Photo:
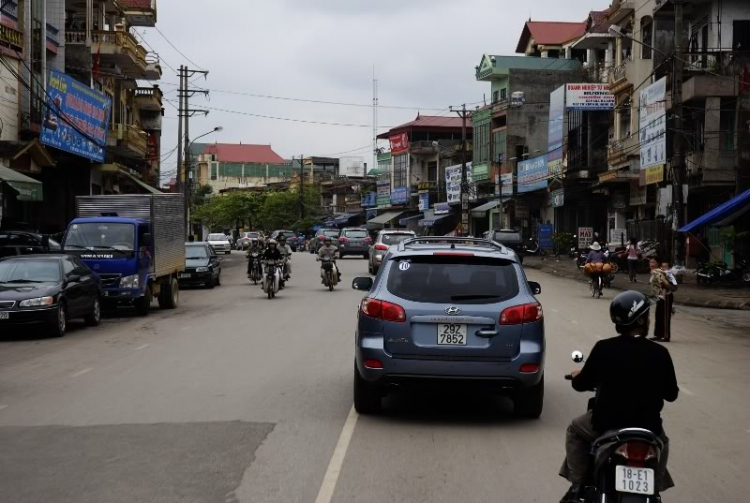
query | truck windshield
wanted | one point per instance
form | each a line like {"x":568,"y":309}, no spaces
{"x":112,"y":236}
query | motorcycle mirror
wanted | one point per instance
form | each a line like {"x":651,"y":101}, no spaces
{"x":577,"y":356}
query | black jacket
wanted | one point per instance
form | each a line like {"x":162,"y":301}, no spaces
{"x":272,"y":254}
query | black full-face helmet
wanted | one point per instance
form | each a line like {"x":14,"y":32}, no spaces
{"x":628,"y":307}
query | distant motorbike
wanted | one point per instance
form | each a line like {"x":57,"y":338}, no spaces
{"x":624,"y":463}
{"x":573,"y":248}
{"x":714,"y":272}
{"x":533,"y":248}
{"x":272,"y":279}
{"x":256,"y":269}
{"x":330,"y":278}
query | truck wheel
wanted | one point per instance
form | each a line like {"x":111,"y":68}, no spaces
{"x":143,"y":305}
{"x":170,"y":295}
{"x":529,"y":402}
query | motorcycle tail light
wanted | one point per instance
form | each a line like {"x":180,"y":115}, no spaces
{"x":636,"y":453}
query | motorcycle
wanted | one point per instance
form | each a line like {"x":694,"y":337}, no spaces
{"x":533,"y":248}
{"x":330,"y":279}
{"x":573,"y":248}
{"x":256,"y":269}
{"x":624,"y":463}
{"x":713,"y":272}
{"x":272,"y":280}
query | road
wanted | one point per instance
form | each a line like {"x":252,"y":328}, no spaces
{"x":237,"y":398}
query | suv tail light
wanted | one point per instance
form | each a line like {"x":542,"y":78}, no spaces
{"x":382,"y":310}
{"x":381,"y":247}
{"x":321,"y":238}
{"x":525,"y":313}
{"x":342,"y":239}
{"x":636,"y":453}
{"x":368,"y":240}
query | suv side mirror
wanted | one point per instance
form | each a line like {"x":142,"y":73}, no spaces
{"x":146,"y":239}
{"x":535,"y":287}
{"x":362,"y":283}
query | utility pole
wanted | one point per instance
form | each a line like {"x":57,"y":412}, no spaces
{"x":678,"y":157}
{"x":301,"y":187}
{"x":464,"y":186}
{"x":180,"y":114}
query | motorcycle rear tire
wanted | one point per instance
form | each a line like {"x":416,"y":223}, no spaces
{"x":329,"y":280}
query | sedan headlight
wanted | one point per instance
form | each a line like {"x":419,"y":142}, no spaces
{"x":130,"y":281}
{"x":203,"y":269}
{"x":39,"y":301}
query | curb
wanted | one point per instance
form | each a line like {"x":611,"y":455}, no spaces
{"x":740,"y":305}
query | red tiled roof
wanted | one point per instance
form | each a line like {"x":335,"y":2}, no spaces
{"x":549,"y":33}
{"x":431,"y":122}
{"x":598,"y":22}
{"x":231,"y":152}
{"x":136,"y":4}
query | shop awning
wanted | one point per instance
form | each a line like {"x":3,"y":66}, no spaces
{"x":385,"y":217}
{"x":406,"y":220}
{"x":148,"y":188}
{"x":431,"y":219}
{"x":28,"y":189}
{"x":343,"y":218}
{"x":480,"y":211}
{"x":724,"y":214}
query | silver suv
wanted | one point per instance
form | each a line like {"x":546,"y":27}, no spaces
{"x":386,"y":238}
{"x":450,"y":311}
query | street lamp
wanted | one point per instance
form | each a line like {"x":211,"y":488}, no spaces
{"x":189,"y":177}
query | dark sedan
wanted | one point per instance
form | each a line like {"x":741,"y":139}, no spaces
{"x":202,"y":266}
{"x":48,"y":289}
{"x":509,"y":238}
{"x":14,"y":243}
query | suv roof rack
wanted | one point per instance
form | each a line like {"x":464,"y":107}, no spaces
{"x":453,"y":241}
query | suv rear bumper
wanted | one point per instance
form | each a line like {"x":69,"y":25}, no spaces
{"x":501,"y":374}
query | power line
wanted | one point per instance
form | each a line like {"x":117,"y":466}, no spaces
{"x":176,"y":49}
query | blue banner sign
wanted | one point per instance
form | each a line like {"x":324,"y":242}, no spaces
{"x":368,"y":200}
{"x":71,"y":102}
{"x":545,"y":236}
{"x":442,"y":208}
{"x":400,"y":195}
{"x":532,"y":174}
{"x":424,"y":202}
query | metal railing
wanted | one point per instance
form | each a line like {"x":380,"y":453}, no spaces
{"x":130,"y":133}
{"x":138,"y":4}
{"x":10,"y":8}
{"x":11,"y":36}
{"x":120,"y":39}
{"x":148,"y":92}
{"x":618,"y":72}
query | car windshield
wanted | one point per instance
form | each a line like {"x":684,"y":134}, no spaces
{"x":114,"y":236}
{"x":457,"y":279}
{"x":29,"y":271}
{"x":356,"y":234}
{"x":252,"y":235}
{"x":392,"y":239}
{"x":507,"y":237}
{"x":332,"y":233}
{"x":217,"y":237}
{"x":195,"y":252}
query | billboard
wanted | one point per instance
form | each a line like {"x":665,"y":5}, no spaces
{"x":453,"y":183}
{"x":555,"y":131}
{"x":383,"y":190}
{"x":589,"y":97}
{"x":71,"y":102}
{"x":399,"y":143}
{"x":506,"y":184}
{"x":424,"y":202}
{"x":400,"y":195}
{"x":653,"y":124}
{"x":532,"y":174}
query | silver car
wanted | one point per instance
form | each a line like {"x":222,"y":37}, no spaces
{"x":385,"y":239}
{"x":220,"y":243}
{"x":448,"y":312}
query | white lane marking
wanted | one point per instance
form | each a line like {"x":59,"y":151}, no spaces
{"x":574,"y":322}
{"x":81,"y":372}
{"x":185,"y":328}
{"x":325,"y":495}
{"x":4,"y":406}
{"x":143,"y":346}
{"x":555,"y":310}
{"x":686,"y":391}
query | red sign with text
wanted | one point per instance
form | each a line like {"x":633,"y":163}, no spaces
{"x":399,"y":143}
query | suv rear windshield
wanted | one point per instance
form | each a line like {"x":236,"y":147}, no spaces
{"x":456,"y":280}
{"x":356,"y":234}
{"x":507,"y":237}
{"x":392,"y":238}
{"x":331,"y":233}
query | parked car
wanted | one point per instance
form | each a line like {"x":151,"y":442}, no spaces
{"x":220,"y":243}
{"x":247,"y":238}
{"x":202,"y":266}
{"x":446,"y":312}
{"x":354,"y":241}
{"x":320,"y":236}
{"x":48,"y":289}
{"x":291,"y":238}
{"x":509,"y":238}
{"x":14,"y":243}
{"x":384,"y":240}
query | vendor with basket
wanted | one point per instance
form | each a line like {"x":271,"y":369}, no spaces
{"x":595,"y":265}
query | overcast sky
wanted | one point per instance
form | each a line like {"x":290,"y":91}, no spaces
{"x":424,"y":53}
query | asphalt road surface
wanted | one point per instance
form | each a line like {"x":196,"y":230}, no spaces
{"x":237,"y":398}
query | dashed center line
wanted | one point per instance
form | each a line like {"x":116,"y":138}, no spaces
{"x":5,"y":406}
{"x":143,"y":346}
{"x":574,"y":322}
{"x":81,"y":372}
{"x":188,"y":327}
{"x":686,"y":391}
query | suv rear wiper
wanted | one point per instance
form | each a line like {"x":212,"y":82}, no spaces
{"x":472,"y":297}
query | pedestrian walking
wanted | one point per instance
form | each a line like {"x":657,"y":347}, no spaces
{"x":633,"y":260}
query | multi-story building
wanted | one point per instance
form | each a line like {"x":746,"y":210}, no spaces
{"x":241,"y":166}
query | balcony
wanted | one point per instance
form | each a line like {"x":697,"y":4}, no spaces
{"x":119,"y":49}
{"x":128,"y":140}
{"x":625,"y":10}
{"x":51,"y":38}
{"x":11,"y":38}
{"x":148,"y":98}
{"x":9,"y":13}
{"x":434,"y":146}
{"x":139,"y":12}
{"x":618,"y":151}
{"x":699,"y":87}
{"x":712,"y":167}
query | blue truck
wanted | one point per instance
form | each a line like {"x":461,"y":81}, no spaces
{"x":135,"y":243}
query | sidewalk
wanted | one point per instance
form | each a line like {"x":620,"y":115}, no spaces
{"x":688,"y":294}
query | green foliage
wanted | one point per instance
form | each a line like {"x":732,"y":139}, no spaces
{"x":562,"y":241}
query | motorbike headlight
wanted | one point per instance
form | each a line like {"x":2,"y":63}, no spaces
{"x":39,"y":301}
{"x":130,"y":281}
{"x":202,"y":269}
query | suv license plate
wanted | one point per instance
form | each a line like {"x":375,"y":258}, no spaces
{"x":185,"y":275}
{"x":451,"y":334}
{"x":634,"y":480}
{"x":4,"y":316}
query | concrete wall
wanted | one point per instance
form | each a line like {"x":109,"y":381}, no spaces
{"x":10,"y":101}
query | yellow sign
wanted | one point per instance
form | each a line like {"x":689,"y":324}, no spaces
{"x":654,"y":174}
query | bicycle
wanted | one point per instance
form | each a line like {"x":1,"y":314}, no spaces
{"x":596,"y":286}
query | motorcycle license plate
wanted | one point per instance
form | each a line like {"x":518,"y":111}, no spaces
{"x":451,"y":334}
{"x":634,"y":480}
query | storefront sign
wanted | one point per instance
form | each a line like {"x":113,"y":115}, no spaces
{"x":589,"y":97}
{"x":637,"y":193}
{"x":545,"y":236}
{"x":619,"y":202}
{"x":453,"y":183}
{"x":424,"y":202}
{"x":558,"y":198}
{"x":618,"y":236}
{"x":399,"y":143}
{"x":442,"y":209}
{"x":555,"y":131}
{"x":369,"y":199}
{"x":400,"y":195}
{"x":383,"y":193}
{"x":71,"y":102}
{"x":653,"y":124}
{"x":506,"y":184}
{"x":585,"y":237}
{"x":654,"y":174}
{"x":532,"y":174}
